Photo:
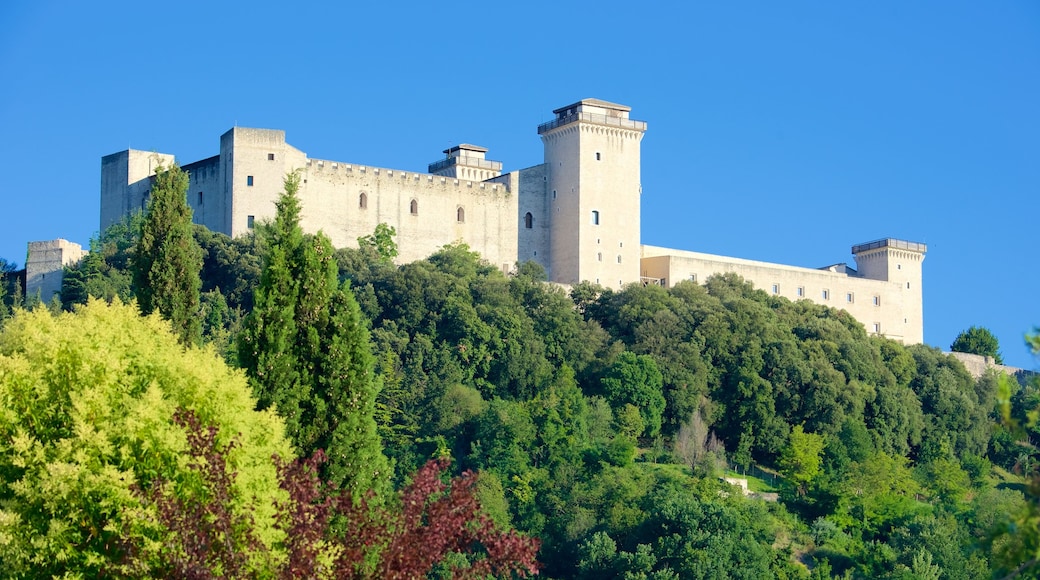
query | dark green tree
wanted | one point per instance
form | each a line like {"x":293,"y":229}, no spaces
{"x":307,"y":351}
{"x":978,"y":340}
{"x":167,"y":261}
{"x":635,"y":379}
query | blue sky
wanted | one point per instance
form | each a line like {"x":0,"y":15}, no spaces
{"x":784,"y":132}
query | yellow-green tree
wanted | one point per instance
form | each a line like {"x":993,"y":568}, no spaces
{"x":87,"y":401}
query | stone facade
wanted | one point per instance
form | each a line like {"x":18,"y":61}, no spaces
{"x":45,"y":265}
{"x":577,"y":214}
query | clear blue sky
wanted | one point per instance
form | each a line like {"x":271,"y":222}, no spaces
{"x":778,"y":131}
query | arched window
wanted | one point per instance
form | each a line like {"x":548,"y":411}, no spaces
{"x":528,"y":221}
{"x":415,"y":207}
{"x":363,"y":201}
{"x":460,"y":215}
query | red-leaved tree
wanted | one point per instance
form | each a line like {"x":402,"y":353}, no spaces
{"x":327,"y":533}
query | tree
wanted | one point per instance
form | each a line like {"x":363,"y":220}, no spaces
{"x":167,"y":261}
{"x":307,"y":352}
{"x":978,"y":340}
{"x":88,"y":405}
{"x":635,"y":379}
{"x":801,"y":460}
{"x":382,"y":241}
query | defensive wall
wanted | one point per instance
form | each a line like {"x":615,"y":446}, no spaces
{"x":577,"y":214}
{"x":885,"y":307}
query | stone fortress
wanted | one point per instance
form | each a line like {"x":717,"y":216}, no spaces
{"x":577,"y":214}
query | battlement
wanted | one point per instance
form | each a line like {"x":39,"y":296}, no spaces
{"x":350,"y":169}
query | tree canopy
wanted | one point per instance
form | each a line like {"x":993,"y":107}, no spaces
{"x":978,"y":340}
{"x":88,"y":400}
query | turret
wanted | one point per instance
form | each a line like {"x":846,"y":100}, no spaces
{"x":466,"y":162}
{"x":899,"y":263}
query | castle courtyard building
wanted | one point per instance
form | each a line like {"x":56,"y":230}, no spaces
{"x":577,"y":214}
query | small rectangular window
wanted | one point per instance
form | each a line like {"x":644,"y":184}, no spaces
{"x":595,"y":217}
{"x":849,"y":297}
{"x":249,"y":221}
{"x":200,"y":198}
{"x":249,"y":180}
{"x":877,"y":328}
{"x":877,"y":301}
{"x":801,"y":291}
{"x":826,"y":294}
{"x":597,"y":156}
{"x":270,"y":156}
{"x":776,"y":288}
{"x":693,"y":278}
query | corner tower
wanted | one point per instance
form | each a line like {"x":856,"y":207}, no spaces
{"x":897,"y":262}
{"x":592,"y":193}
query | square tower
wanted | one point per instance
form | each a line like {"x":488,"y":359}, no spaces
{"x":897,"y":262}
{"x":593,"y":189}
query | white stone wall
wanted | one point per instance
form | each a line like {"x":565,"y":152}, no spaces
{"x":331,"y":203}
{"x":44,"y":267}
{"x":533,"y":242}
{"x":126,"y":182}
{"x":593,"y":175}
{"x":205,"y":195}
{"x":886,"y":304}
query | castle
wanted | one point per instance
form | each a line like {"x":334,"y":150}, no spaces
{"x":577,"y":214}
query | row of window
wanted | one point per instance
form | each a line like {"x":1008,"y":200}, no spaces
{"x":850,"y":297}
{"x":599,"y":257}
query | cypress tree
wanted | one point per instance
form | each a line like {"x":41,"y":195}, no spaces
{"x":307,"y":350}
{"x":168,"y":260}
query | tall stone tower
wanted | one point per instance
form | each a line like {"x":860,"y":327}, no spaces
{"x":899,"y":263}
{"x":592,"y":193}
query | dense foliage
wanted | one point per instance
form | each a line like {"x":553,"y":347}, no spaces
{"x":306,"y":350}
{"x":601,"y":421}
{"x":86,"y":417}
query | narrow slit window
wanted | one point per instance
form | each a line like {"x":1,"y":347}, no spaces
{"x":595,"y":217}
{"x":460,"y":215}
{"x":200,"y":198}
{"x":249,"y":180}
{"x":414,"y":207}
{"x":528,"y":221}
{"x":363,"y":201}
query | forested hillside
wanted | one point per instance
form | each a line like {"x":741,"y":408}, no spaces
{"x":602,"y":422}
